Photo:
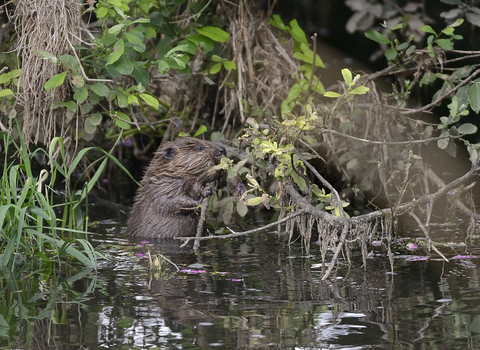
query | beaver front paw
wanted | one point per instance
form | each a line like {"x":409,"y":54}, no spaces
{"x":207,"y":192}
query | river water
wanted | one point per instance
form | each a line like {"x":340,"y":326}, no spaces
{"x":254,"y":292}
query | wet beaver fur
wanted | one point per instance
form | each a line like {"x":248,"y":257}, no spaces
{"x":172,"y":187}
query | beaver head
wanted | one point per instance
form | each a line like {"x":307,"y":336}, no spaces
{"x":188,"y":159}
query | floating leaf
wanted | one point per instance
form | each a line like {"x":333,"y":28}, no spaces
{"x":214,"y":33}
{"x":55,"y":81}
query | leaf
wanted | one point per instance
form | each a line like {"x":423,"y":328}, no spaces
{"x":214,"y":33}
{"x":150,"y":100}
{"x":297,"y":32}
{"x":100,"y":89}
{"x":133,"y":100}
{"x":377,"y":37}
{"x":55,"y":81}
{"x":163,"y":66}
{"x":48,"y":56}
{"x":95,"y":118}
{"x":122,"y":101}
{"x":242,"y":209}
{"x":6,"y":92}
{"x":121,"y":123}
{"x":277,"y":22}
{"x":215,"y":68}
{"x":253,"y":201}
{"x":116,"y":29}
{"x":347,"y":76}
{"x":117,"y":52}
{"x":182,"y":48}
{"x":474,"y":96}
{"x":227,"y":211}
{"x":81,"y":94}
{"x":332,"y":94}
{"x":71,"y":105}
{"x":391,"y":54}
{"x":89,"y":127}
{"x":473,"y":18}
{"x":141,"y":76}
{"x":202,"y":129}
{"x":360,"y":90}
{"x":443,"y":143}
{"x":445,"y":44}
{"x":136,"y":38}
{"x":102,"y":12}
{"x":229,"y":65}
{"x":216,"y":58}
{"x":428,"y":29}
{"x":467,"y":128}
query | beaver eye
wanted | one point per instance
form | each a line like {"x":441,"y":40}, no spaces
{"x":199,"y":148}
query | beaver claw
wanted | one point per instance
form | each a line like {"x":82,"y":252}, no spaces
{"x":207,"y":192}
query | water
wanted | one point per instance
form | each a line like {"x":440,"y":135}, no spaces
{"x":249,"y":293}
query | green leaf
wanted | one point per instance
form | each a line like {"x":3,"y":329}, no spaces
{"x":253,"y":201}
{"x":457,"y":23}
{"x":377,"y":37}
{"x":6,"y":92}
{"x":122,"y":101}
{"x":116,"y":29}
{"x":183,"y":48}
{"x":332,"y":94}
{"x":117,"y":52}
{"x":297,"y":32}
{"x":89,"y":127}
{"x":55,"y":81}
{"x":360,"y":90}
{"x":133,"y":100}
{"x":445,"y":44}
{"x":216,"y":58}
{"x":347,"y":76}
{"x":100,"y":89}
{"x":71,"y":105}
{"x":163,"y":66}
{"x":48,"y":56}
{"x":141,"y":76}
{"x":81,"y":94}
{"x":124,"y":65}
{"x":229,"y":65}
{"x":242,"y":209}
{"x":474,"y":96}
{"x":467,"y":128}
{"x":202,"y":129}
{"x":95,"y":118}
{"x":277,"y":22}
{"x":150,"y":100}
{"x":214,"y":33}
{"x":443,"y":143}
{"x":391,"y":54}
{"x":136,"y":38}
{"x":120,"y":123}
{"x":428,"y":29}
{"x":102,"y":12}
{"x":215,"y":68}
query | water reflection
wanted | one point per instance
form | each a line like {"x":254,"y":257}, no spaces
{"x":253,"y":292}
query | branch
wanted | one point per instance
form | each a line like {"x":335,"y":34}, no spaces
{"x":239,"y":234}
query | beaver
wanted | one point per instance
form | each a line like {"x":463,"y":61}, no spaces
{"x":173,"y":186}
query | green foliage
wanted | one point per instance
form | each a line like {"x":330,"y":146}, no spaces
{"x":29,"y":226}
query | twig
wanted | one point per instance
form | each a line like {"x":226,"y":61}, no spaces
{"x":201,"y":223}
{"x":438,"y":100}
{"x":427,"y":236}
{"x":324,"y":182}
{"x":81,"y":67}
{"x":239,"y":234}
{"x":412,"y":142}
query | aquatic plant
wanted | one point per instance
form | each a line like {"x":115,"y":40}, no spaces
{"x":38,"y":220}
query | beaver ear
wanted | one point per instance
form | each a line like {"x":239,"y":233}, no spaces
{"x":169,"y":152}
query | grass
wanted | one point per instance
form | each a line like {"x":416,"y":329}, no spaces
{"x":29,"y":225}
